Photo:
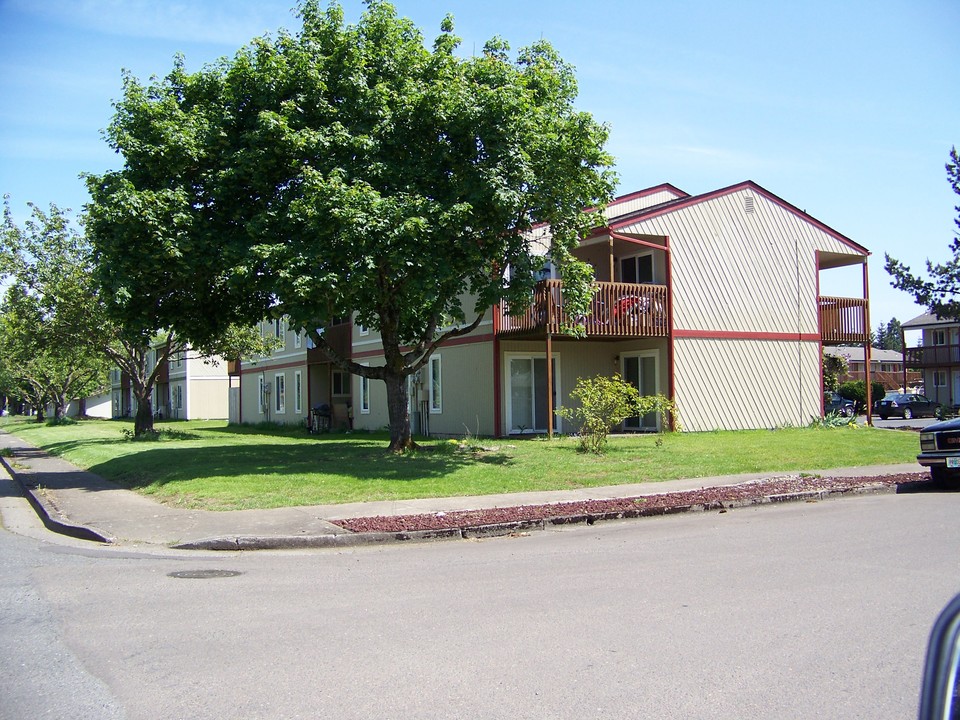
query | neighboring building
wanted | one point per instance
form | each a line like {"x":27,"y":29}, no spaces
{"x":712,"y":300}
{"x":886,"y":367}
{"x":189,"y":386}
{"x":295,"y":379}
{"x":937,"y":358}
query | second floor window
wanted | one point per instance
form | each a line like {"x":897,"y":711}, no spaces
{"x":637,"y":269}
{"x":279,"y":393}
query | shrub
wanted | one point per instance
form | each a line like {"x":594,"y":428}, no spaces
{"x":833,"y":419}
{"x":605,"y":402}
{"x":856,"y":390}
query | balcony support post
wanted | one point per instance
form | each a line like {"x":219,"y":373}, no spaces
{"x":549,"y":384}
{"x":866,"y":344}
{"x":903,"y":354}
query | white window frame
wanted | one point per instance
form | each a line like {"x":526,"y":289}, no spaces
{"x":262,"y":400}
{"x":435,"y":382}
{"x":507,"y":391}
{"x":298,"y":392}
{"x":298,"y":340}
{"x":641,"y":355}
{"x":364,"y":394}
{"x":938,"y":337}
{"x":939,"y":378}
{"x":178,"y":396}
{"x":344,"y":383}
{"x":636,"y":258}
{"x":280,"y":392}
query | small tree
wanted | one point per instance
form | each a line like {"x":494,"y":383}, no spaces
{"x":606,"y":402}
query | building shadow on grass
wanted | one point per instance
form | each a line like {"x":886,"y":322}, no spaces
{"x":160,"y":465}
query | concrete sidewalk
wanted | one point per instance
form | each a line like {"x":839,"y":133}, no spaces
{"x":84,"y":505}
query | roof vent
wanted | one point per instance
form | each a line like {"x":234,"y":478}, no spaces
{"x":748,"y":204}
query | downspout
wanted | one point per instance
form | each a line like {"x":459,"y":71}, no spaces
{"x":497,"y":388}
{"x":671,"y":376}
{"x":903,"y":355}
{"x":866,"y":344}
{"x":549,"y":381}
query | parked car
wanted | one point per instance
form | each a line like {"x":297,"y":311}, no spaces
{"x":908,"y":405}
{"x":833,"y":402}
{"x":940,"y":450}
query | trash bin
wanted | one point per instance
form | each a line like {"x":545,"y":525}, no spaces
{"x":321,"y":418}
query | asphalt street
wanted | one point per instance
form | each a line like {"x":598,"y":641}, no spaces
{"x":806,"y":610}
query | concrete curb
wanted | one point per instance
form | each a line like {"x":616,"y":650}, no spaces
{"x":473,"y":532}
{"x":47,"y":511}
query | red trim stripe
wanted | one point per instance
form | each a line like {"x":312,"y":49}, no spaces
{"x":737,"y":335}
{"x":467,"y":340}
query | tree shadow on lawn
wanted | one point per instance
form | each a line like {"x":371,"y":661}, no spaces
{"x":158,"y":465}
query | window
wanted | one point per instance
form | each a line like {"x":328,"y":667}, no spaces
{"x":297,"y":392}
{"x":278,"y":327}
{"x":178,"y":397}
{"x":436,"y":394}
{"x":262,"y":400}
{"x":298,"y":339}
{"x":363,"y":330}
{"x":340,"y":382}
{"x":279,"y":396}
{"x":939,"y":337}
{"x":364,"y":395}
{"x":939,"y":378}
{"x":637,"y":269}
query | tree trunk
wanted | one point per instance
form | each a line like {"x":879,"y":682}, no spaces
{"x":398,"y":411}
{"x":59,"y":407}
{"x":143,"y":422}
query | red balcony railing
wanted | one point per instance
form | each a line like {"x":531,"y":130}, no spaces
{"x":617,"y":310}
{"x":843,"y":320}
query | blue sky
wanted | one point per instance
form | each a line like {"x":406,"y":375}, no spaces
{"x":846,"y":109}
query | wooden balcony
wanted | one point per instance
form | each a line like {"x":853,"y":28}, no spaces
{"x":932,"y":356}
{"x":843,"y":321}
{"x":339,"y":337}
{"x":618,"y":310}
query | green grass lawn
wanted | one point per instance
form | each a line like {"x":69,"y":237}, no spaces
{"x":220,"y":467}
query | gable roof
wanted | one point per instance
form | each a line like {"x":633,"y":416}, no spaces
{"x":685,"y":201}
{"x":928,"y":320}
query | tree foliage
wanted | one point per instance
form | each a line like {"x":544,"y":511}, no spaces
{"x":46,"y":311}
{"x":937,"y":292}
{"x":347,"y":169}
{"x":834,"y":368}
{"x":887,"y":336}
{"x":605,"y":402}
{"x":856,"y":390}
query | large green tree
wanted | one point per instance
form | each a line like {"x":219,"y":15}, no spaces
{"x":44,"y":315}
{"x":57,"y":334}
{"x":349,"y":169}
{"x":938,"y":291}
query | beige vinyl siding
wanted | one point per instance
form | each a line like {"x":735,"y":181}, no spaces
{"x":467,"y":389}
{"x":207,"y":398}
{"x":736,"y":271}
{"x":268,"y":369}
{"x":626,"y":207}
{"x":579,"y":359}
{"x":739,"y":384}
